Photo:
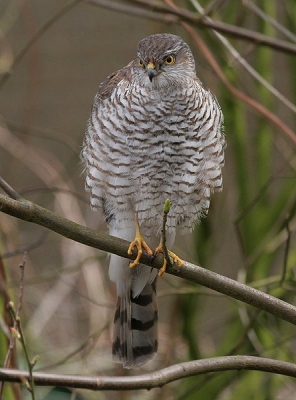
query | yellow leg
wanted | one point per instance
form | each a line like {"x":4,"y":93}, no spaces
{"x":140,"y":244}
{"x":173,"y":256}
{"x":161,"y":248}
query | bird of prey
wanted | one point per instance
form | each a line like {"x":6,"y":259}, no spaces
{"x":154,"y":133}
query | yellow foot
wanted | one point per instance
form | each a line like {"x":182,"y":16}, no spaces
{"x":172,"y":255}
{"x":140,"y":244}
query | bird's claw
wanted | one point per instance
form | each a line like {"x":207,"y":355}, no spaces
{"x":140,"y":244}
{"x":172,"y":256}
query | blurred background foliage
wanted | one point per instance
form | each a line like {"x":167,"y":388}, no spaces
{"x":249,"y":234}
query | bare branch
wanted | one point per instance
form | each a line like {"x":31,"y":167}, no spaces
{"x":31,"y":212}
{"x":9,"y":190}
{"x":18,"y":311}
{"x":257,"y":10}
{"x":287,"y":248}
{"x":19,"y":333}
{"x":21,"y":287}
{"x":137,"y":11}
{"x":230,"y":30}
{"x":155,"y":379}
{"x":27,"y":248}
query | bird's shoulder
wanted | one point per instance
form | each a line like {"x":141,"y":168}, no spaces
{"x":112,"y":81}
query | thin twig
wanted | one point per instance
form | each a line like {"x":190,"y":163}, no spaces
{"x":9,"y":190}
{"x":244,"y":337}
{"x":280,"y":28}
{"x":4,"y":326}
{"x":17,"y":313}
{"x":93,"y":337}
{"x":137,"y":11}
{"x":32,"y":246}
{"x":213,"y":6}
{"x":21,"y":286}
{"x":17,"y":331}
{"x":287,"y":248}
{"x":166,"y":210}
{"x":155,"y":379}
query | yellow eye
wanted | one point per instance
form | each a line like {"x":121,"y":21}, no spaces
{"x":170,"y":60}
{"x":140,"y":63}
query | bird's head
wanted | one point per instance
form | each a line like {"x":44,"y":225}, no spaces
{"x":164,"y":59}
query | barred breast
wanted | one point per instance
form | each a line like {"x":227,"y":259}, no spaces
{"x":147,"y":146}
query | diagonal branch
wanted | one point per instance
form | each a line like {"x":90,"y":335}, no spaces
{"x":237,"y":32}
{"x":274,"y":23}
{"x":154,"y":379}
{"x":31,"y":212}
{"x":137,"y":11}
{"x":9,"y":190}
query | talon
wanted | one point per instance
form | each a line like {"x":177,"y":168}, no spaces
{"x":172,"y":255}
{"x":176,"y":259}
{"x":140,"y":244}
{"x":163,"y":268}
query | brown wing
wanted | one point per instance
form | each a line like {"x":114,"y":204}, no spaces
{"x":106,"y":88}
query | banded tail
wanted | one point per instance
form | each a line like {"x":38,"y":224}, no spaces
{"x":135,"y":327}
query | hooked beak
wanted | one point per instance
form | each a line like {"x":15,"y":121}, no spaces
{"x":151,"y":70}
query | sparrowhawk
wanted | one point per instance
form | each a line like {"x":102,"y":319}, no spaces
{"x":154,"y":133}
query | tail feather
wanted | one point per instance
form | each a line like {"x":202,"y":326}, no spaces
{"x":135,"y":327}
{"x":135,"y":322}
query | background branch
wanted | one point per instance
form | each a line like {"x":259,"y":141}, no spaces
{"x":230,"y":30}
{"x":161,"y":12}
{"x":155,"y":379}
